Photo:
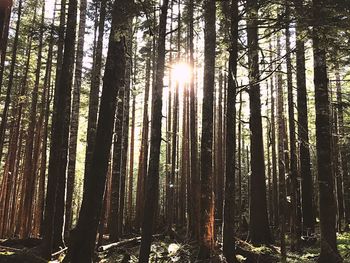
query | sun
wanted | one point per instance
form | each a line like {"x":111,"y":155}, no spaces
{"x":181,"y":72}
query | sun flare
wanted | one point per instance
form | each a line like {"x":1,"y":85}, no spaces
{"x":181,"y":72}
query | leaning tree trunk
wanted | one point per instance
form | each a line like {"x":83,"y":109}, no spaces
{"x":152,"y":185}
{"x":329,"y":251}
{"x":207,"y":196}
{"x":83,"y":238}
{"x":259,"y":232}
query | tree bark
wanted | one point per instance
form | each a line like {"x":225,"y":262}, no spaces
{"x":259,"y":232}
{"x":229,"y":201}
{"x":308,"y":214}
{"x":54,"y":209}
{"x":73,"y":139}
{"x":152,"y":185}
{"x":207,"y":196}
{"x":83,"y":237}
{"x":329,"y":252}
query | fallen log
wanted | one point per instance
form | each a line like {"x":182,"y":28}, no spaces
{"x":126,"y":242}
{"x":59,"y":252}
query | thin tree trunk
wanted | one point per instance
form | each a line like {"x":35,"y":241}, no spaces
{"x":281,"y":160}
{"x":131,"y":169}
{"x":195,"y":190}
{"x":143,"y":157}
{"x":152,"y":185}
{"x":75,"y":117}
{"x":295,"y":200}
{"x":343,"y":151}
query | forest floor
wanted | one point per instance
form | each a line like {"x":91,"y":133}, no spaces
{"x":166,"y":249}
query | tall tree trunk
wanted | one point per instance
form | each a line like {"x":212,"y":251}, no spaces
{"x":281,"y":159}
{"x":54,"y":210}
{"x":116,"y":168}
{"x":94,"y":92}
{"x":143,"y":157}
{"x":343,"y":151}
{"x":207,"y":196}
{"x":219,"y":154}
{"x":259,"y":232}
{"x":229,"y":203}
{"x":295,"y":198}
{"x":308,"y":214}
{"x":329,"y":252}
{"x":75,"y":117}
{"x":83,"y":238}
{"x":195,"y":190}
{"x":273,"y":150}
{"x":125,"y":141}
{"x":152,"y":185}
{"x":130,"y":212}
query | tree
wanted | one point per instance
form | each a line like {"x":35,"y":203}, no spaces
{"x":207,"y":196}
{"x":152,"y":183}
{"x":83,"y":237}
{"x":75,"y":116}
{"x":329,"y":252}
{"x":229,"y":203}
{"x":303,"y":129}
{"x":259,"y":231}
{"x":54,"y":209}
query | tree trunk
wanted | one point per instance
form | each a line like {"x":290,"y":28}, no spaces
{"x":281,"y":160}
{"x":75,"y":117}
{"x":308,"y":214}
{"x":273,"y":150}
{"x":143,"y":157}
{"x":329,"y":252}
{"x":195,"y":199}
{"x":207,"y":196}
{"x":130,"y":212}
{"x":116,"y":168}
{"x":343,"y":152}
{"x":94,"y":92}
{"x":295,"y":197}
{"x":83,"y":238}
{"x":229,"y":201}
{"x":152,"y":185}
{"x":259,"y":232}
{"x":54,"y":210}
